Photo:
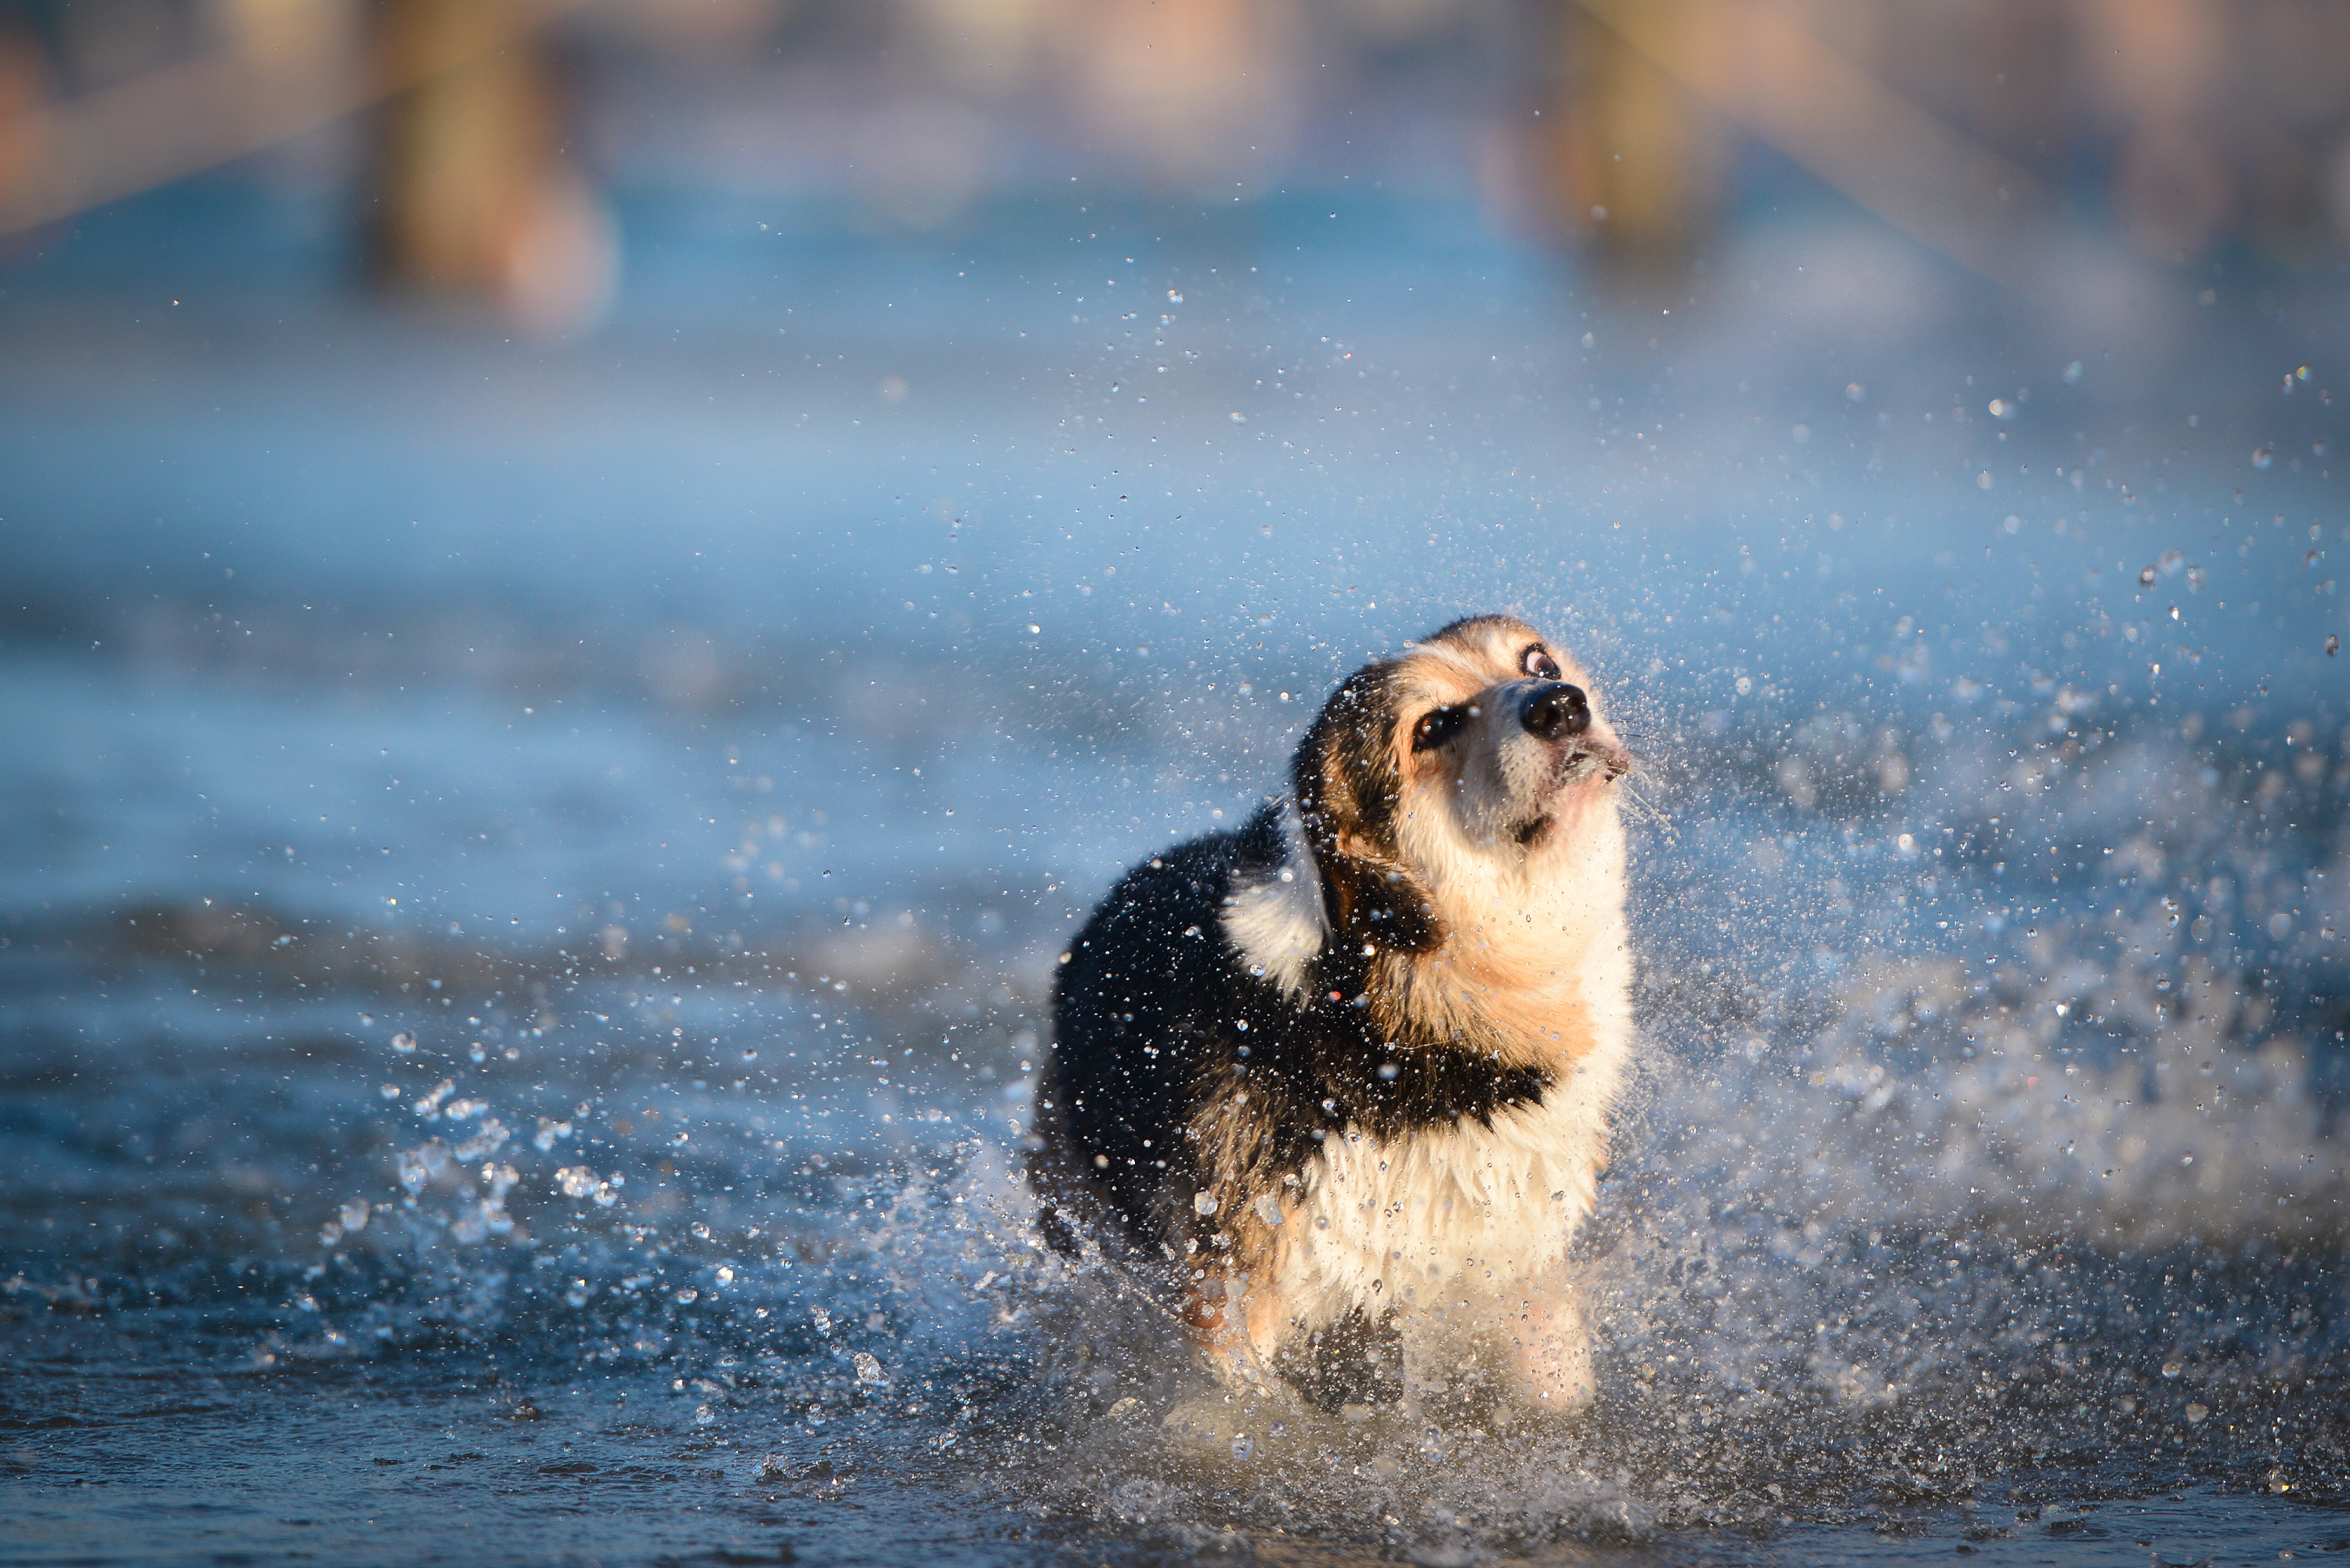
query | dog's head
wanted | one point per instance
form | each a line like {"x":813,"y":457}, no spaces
{"x":1478,"y":757}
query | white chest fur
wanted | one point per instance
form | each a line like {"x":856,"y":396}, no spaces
{"x":1468,"y":1207}
{"x":1465,"y":1209}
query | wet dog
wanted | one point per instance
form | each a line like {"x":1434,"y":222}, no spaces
{"x":1342,"y":1078}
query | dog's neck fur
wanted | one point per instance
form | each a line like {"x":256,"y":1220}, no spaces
{"x":1533,"y":969}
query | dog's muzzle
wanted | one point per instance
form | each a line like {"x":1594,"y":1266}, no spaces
{"x":1559,"y":713}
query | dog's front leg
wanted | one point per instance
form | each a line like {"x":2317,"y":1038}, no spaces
{"x":1547,"y":1349}
{"x":1239,"y":1323}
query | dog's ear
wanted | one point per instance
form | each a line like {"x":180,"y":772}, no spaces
{"x":1347,"y":788}
{"x":1374,"y":899}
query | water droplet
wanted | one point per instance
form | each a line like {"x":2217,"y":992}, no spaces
{"x":1203,"y":1203}
{"x":2072,"y":374}
{"x":1173,"y":297}
{"x":2195,"y":1414}
{"x":868,"y":1369}
{"x":403,"y":1043}
{"x":2333,"y":644}
{"x":2146,"y":577}
{"x":1854,"y":392}
{"x":2262,"y":456}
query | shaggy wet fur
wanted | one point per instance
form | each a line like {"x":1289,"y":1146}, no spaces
{"x":1343,"y":1075}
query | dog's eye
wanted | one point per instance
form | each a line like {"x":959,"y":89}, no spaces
{"x":1541,"y":665}
{"x":1438,"y":728}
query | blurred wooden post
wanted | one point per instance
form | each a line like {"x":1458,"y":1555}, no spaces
{"x":23,"y":96}
{"x":2164,"y":64}
{"x":472,"y":193}
{"x":1635,"y":161}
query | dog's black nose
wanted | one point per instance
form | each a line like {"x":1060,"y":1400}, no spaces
{"x":1556,"y":711}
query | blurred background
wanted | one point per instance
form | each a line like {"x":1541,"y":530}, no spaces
{"x":483,"y":150}
{"x":503,"y":500}
{"x":1016,"y":381}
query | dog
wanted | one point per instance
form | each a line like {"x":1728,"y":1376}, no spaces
{"x":1341,"y":1080}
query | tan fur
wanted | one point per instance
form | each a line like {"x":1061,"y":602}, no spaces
{"x":1497,"y":983}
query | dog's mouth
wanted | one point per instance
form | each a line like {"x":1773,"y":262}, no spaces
{"x":1577,"y":764}
{"x":1609,"y":763}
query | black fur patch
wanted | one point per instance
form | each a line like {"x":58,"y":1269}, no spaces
{"x":1158,"y":1025}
